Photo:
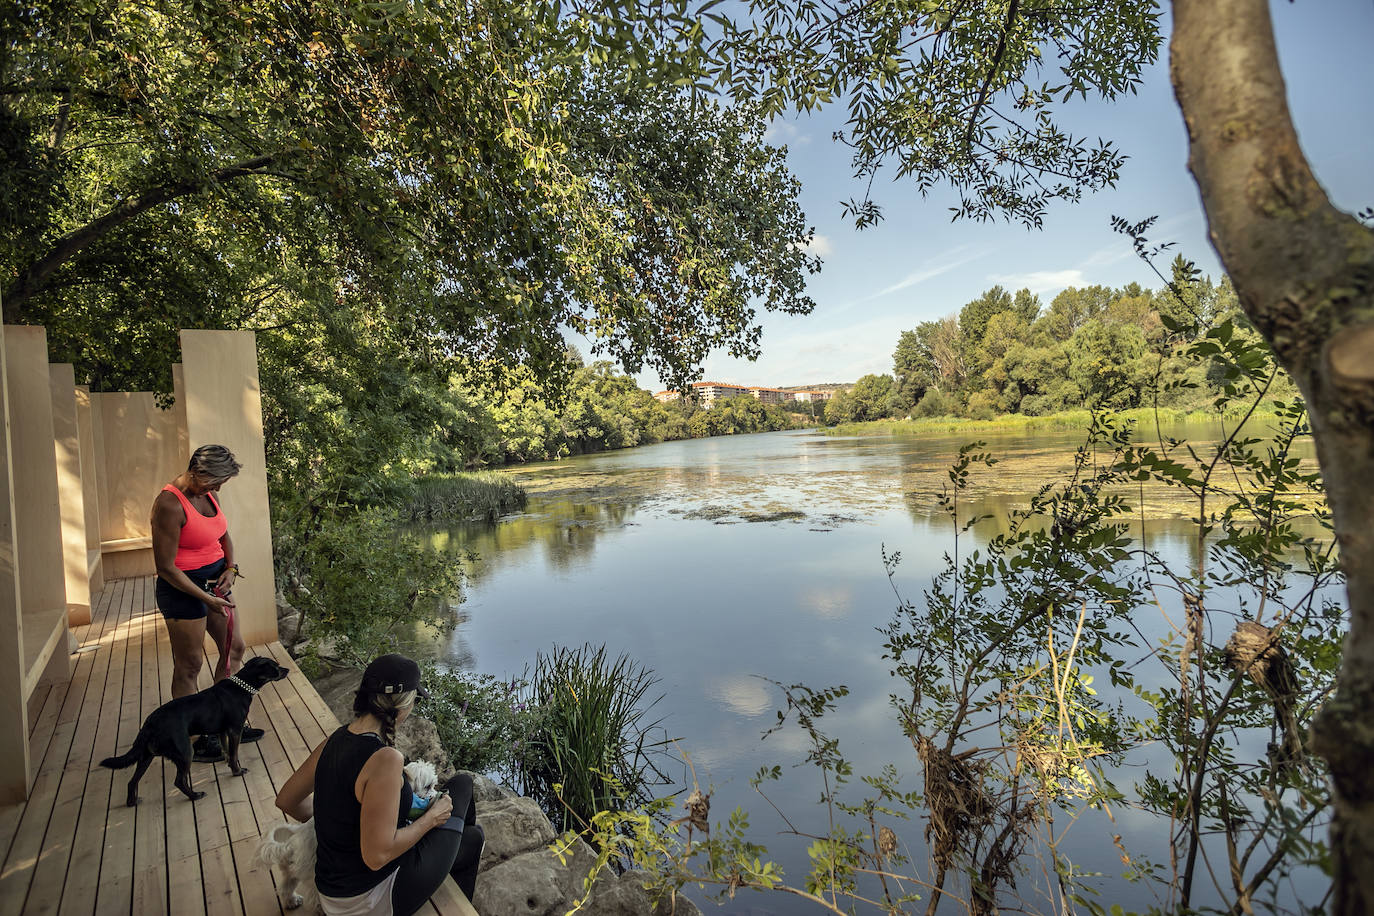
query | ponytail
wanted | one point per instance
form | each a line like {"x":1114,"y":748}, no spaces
{"x":386,"y":707}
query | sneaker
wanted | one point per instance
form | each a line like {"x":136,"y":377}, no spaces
{"x":207,"y":750}
{"x":250,"y":734}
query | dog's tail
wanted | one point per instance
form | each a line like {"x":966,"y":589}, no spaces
{"x":134,"y":753}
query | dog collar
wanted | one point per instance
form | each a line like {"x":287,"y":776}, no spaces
{"x":242,"y":683}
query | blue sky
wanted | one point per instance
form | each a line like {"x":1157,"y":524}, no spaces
{"x":916,"y":265}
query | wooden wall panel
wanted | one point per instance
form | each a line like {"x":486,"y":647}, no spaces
{"x":67,"y":446}
{"x":142,"y":451}
{"x":14,"y":751}
{"x":90,"y":492}
{"x":224,"y":405}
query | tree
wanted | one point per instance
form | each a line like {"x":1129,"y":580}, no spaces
{"x":479,"y":174}
{"x":1302,"y":270}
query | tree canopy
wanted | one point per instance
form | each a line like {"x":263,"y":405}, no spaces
{"x":474,"y":176}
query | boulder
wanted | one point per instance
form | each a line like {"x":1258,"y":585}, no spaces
{"x":533,"y":884}
{"x":513,"y":827}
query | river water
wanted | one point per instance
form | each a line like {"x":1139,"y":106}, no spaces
{"x":724,"y":563}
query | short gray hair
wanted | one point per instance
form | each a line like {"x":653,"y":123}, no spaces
{"x":214,"y":462}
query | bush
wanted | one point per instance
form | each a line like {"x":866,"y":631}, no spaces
{"x":369,"y":585}
{"x":935,"y":403}
{"x":484,"y":724}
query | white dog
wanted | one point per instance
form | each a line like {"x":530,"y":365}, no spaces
{"x":291,"y":847}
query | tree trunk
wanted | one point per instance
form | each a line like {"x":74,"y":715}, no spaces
{"x":1304,"y":272}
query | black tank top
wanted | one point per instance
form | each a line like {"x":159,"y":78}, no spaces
{"x":339,"y":867}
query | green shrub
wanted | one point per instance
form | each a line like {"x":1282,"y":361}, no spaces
{"x":369,"y":587}
{"x":484,"y":724}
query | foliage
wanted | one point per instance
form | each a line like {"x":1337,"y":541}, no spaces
{"x":963,"y":93}
{"x":1091,"y":347}
{"x":479,"y":173}
{"x":372,"y":586}
{"x":593,"y":747}
{"x":484,"y":724}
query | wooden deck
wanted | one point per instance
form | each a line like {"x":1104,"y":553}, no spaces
{"x":74,"y":848}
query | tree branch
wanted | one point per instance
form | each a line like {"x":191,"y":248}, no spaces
{"x":34,"y":278}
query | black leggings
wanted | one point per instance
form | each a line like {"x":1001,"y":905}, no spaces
{"x":442,"y":852}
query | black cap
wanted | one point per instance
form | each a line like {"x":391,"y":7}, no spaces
{"x":393,"y":674}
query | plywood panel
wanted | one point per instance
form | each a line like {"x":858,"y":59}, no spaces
{"x":66,"y":429}
{"x":224,"y":405}
{"x":142,"y":451}
{"x":14,"y":752}
{"x":90,"y":489}
{"x":37,"y":527}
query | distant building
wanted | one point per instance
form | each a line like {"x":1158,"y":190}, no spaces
{"x":710,"y":392}
{"x":770,"y":395}
{"x":813,"y":396}
{"x":666,"y":396}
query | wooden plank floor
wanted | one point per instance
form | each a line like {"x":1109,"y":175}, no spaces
{"x":74,"y":848}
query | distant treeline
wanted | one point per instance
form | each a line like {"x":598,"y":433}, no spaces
{"x":1005,"y":353}
{"x":601,"y":409}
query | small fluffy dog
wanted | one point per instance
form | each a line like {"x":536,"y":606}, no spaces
{"x":291,"y":847}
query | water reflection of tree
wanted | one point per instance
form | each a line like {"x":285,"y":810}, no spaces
{"x":565,"y":528}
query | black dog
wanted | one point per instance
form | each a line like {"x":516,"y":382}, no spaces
{"x":218,"y":710}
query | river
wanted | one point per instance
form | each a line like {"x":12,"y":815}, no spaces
{"x":724,"y":563}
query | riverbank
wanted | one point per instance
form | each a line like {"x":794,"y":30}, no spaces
{"x":1142,"y":417}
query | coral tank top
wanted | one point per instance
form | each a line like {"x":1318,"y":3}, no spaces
{"x":199,"y":544}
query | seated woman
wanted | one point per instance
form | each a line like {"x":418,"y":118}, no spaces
{"x":370,"y":860}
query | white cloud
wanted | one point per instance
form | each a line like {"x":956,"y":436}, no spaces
{"x":820,"y":246}
{"x":782,"y":133}
{"x":1040,"y":282}
{"x":928,"y":271}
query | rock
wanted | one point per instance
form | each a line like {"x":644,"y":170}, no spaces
{"x":488,"y":790}
{"x":625,"y":896}
{"x":513,"y":826}
{"x":533,"y":884}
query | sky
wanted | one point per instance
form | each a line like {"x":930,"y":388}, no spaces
{"x":917,"y":265}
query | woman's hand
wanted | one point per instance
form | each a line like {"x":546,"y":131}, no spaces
{"x":216,"y":604}
{"x":439,"y":810}
{"x":226,"y":579}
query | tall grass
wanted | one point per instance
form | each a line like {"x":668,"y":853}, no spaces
{"x":592,"y":736}
{"x":1075,"y":420}
{"x":472,"y":496}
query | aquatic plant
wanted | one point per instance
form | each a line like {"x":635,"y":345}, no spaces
{"x":472,"y":495}
{"x":593,"y":747}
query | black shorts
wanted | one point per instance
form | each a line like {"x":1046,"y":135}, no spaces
{"x":178,"y":605}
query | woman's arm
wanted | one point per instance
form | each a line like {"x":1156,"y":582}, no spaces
{"x":167,"y":520}
{"x":379,"y":791}
{"x":297,"y":796}
{"x":231,"y":571}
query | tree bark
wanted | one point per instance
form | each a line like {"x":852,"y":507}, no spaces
{"x":1304,"y":272}
{"x":34,"y":278}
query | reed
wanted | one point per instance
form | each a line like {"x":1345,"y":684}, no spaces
{"x":593,"y":740}
{"x":471,"y":496}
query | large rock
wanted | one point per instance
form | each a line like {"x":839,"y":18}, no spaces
{"x":513,"y":827}
{"x":533,"y":884}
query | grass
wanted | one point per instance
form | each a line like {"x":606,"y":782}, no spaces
{"x":592,"y":749}
{"x":472,"y":496}
{"x":1143,"y":417}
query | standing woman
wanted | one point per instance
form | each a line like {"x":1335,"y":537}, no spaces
{"x":370,"y":860}
{"x":194,"y":556}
